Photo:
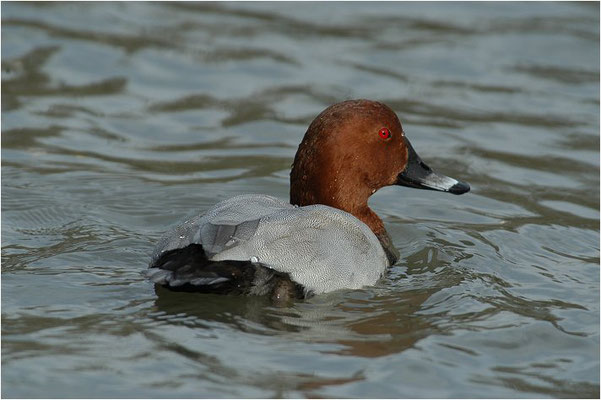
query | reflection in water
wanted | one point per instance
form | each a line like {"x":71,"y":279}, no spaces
{"x":358,"y":323}
{"x":197,"y":308}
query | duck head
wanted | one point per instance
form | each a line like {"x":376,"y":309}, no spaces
{"x":351,"y":150}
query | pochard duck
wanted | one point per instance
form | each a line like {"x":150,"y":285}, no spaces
{"x":327,"y":238}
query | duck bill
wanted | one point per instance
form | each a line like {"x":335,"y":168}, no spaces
{"x":418,"y":175}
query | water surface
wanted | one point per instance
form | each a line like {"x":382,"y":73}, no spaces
{"x":121,"y":119}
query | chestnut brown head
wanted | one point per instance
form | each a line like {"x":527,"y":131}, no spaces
{"x":351,"y":150}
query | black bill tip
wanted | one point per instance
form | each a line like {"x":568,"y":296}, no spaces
{"x":459,"y":188}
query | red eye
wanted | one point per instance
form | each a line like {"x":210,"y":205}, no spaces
{"x":384,"y":133}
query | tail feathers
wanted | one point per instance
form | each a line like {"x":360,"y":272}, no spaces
{"x":176,"y":278}
{"x":188,"y":269}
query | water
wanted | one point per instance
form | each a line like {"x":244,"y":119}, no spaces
{"x":121,"y":119}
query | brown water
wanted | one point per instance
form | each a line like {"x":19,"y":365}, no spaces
{"x":121,"y":119}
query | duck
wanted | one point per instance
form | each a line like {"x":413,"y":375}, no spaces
{"x":326,"y":238}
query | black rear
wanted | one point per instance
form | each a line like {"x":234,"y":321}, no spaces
{"x":189,"y":270}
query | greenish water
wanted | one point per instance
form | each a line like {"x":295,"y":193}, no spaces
{"x":121,"y":119}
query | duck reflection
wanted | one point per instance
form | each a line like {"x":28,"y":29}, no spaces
{"x":372,"y":322}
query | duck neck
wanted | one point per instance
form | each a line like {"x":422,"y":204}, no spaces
{"x":376,"y":225}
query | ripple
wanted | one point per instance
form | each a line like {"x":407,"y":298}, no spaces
{"x":129,"y":43}
{"x":563,"y":75}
